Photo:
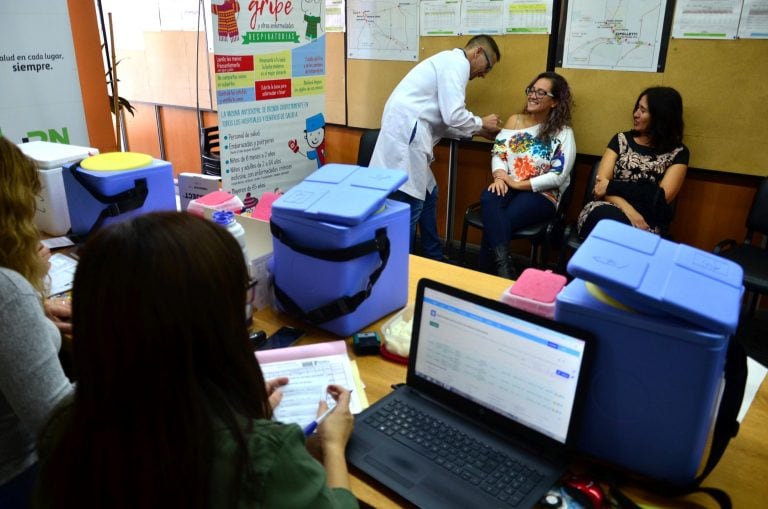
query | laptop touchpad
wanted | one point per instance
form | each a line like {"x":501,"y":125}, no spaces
{"x":397,"y":468}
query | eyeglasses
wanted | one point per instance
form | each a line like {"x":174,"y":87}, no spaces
{"x":250,"y":290}
{"x":539,"y":92}
{"x":489,"y":66}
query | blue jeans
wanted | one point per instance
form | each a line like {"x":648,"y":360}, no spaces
{"x":503,"y":215}
{"x":15,"y":493}
{"x":423,"y":214}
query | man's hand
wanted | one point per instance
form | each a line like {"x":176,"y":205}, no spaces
{"x":491,"y":125}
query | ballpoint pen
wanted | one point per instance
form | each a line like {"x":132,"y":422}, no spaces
{"x":310,"y":428}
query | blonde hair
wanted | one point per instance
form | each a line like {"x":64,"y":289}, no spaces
{"x":19,"y":237}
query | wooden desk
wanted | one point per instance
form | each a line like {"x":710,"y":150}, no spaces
{"x":740,"y":472}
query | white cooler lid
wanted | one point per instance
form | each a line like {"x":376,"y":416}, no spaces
{"x":52,"y":155}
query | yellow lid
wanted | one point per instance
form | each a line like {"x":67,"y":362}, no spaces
{"x":603,"y":297}
{"x":116,"y":161}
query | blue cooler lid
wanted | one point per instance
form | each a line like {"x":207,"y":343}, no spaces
{"x":657,"y":276}
{"x":340,"y":193}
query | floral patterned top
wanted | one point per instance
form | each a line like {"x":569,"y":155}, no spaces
{"x":525,"y":157}
{"x":638,"y":163}
{"x":635,"y":163}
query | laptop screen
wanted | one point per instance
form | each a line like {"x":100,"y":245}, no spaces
{"x":522,"y":370}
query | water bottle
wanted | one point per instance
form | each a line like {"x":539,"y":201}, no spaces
{"x":226,"y":218}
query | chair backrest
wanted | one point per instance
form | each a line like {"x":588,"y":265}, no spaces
{"x":757,"y":220}
{"x":209,"y":140}
{"x":209,"y":151}
{"x":367,"y":144}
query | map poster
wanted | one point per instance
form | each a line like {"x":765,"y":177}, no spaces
{"x":615,"y":35}
{"x":41,"y":97}
{"x":270,"y":89}
{"x":383,"y":30}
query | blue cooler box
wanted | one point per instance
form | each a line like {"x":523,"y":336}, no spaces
{"x":659,"y":366}
{"x":653,"y":388}
{"x":111,"y":187}
{"x":328,"y":239}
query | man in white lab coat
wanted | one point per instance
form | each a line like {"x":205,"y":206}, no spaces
{"x":427,"y":105}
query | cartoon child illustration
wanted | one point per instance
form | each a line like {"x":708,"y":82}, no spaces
{"x":227,"y":24}
{"x":311,"y":10}
{"x":315,"y":136}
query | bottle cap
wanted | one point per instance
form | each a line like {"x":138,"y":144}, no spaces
{"x":223,"y":217}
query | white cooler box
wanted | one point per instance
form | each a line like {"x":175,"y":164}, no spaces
{"x":52,"y":216}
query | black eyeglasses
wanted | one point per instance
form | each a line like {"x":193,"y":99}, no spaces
{"x":539,"y":92}
{"x":490,"y":65}
{"x":250,"y":290}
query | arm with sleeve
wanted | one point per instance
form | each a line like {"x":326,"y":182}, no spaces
{"x":561,"y":164}
{"x":452,"y":79}
{"x":31,"y":377}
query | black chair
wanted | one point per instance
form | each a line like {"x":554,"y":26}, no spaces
{"x":209,"y":153}
{"x":571,"y":241}
{"x":540,"y":234}
{"x":750,"y":254}
{"x":367,"y":143}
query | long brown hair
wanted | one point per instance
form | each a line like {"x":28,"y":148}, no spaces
{"x":560,"y":115}
{"x":162,"y":357}
{"x":19,"y":237}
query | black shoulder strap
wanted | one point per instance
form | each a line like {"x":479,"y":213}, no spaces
{"x":343,"y":305}
{"x":124,"y":201}
{"x":726,"y":427}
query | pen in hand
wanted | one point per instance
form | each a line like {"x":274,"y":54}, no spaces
{"x":310,"y":428}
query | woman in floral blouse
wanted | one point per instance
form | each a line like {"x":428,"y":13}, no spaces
{"x":642,"y":170}
{"x":531,"y":165}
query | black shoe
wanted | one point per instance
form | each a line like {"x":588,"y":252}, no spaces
{"x":502,"y":263}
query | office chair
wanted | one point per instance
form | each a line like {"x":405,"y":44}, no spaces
{"x":750,"y":254}
{"x":540,"y":234}
{"x":209,"y":153}
{"x":571,"y":241}
{"x":367,"y":144}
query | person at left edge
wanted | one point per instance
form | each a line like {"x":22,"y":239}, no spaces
{"x":427,"y":105}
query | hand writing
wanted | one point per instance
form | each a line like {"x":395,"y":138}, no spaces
{"x":59,"y":311}
{"x":273,"y":390}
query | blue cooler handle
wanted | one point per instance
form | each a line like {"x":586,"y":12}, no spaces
{"x":120,"y":203}
{"x":343,"y":305}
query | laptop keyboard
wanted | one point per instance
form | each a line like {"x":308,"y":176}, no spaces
{"x":496,"y":473}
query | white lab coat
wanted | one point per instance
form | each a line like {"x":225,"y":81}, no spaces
{"x":431,"y":100}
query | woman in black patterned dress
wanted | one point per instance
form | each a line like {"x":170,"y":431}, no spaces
{"x":642,"y":170}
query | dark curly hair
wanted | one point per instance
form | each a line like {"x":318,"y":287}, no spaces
{"x":666,"y":108}
{"x":560,"y":116}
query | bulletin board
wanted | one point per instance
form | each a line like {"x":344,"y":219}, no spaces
{"x":724,"y":85}
{"x":369,"y":82}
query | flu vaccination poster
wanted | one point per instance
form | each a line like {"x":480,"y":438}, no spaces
{"x":269,"y":60}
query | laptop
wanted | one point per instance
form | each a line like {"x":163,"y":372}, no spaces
{"x":487,"y":410}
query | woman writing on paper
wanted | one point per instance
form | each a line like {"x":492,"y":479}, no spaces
{"x":171,"y":409}
{"x":531,"y":165}
{"x":642,"y":170}
{"x":31,"y":377}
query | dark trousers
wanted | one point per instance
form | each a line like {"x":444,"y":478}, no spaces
{"x":504,"y":215}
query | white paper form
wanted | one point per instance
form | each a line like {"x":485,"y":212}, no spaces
{"x":439,"y":17}
{"x":309,"y":368}
{"x":706,"y":19}
{"x":754,"y":20}
{"x":527,"y":17}
{"x":481,"y":16}
{"x":334,"y":16}
{"x":61,"y":273}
